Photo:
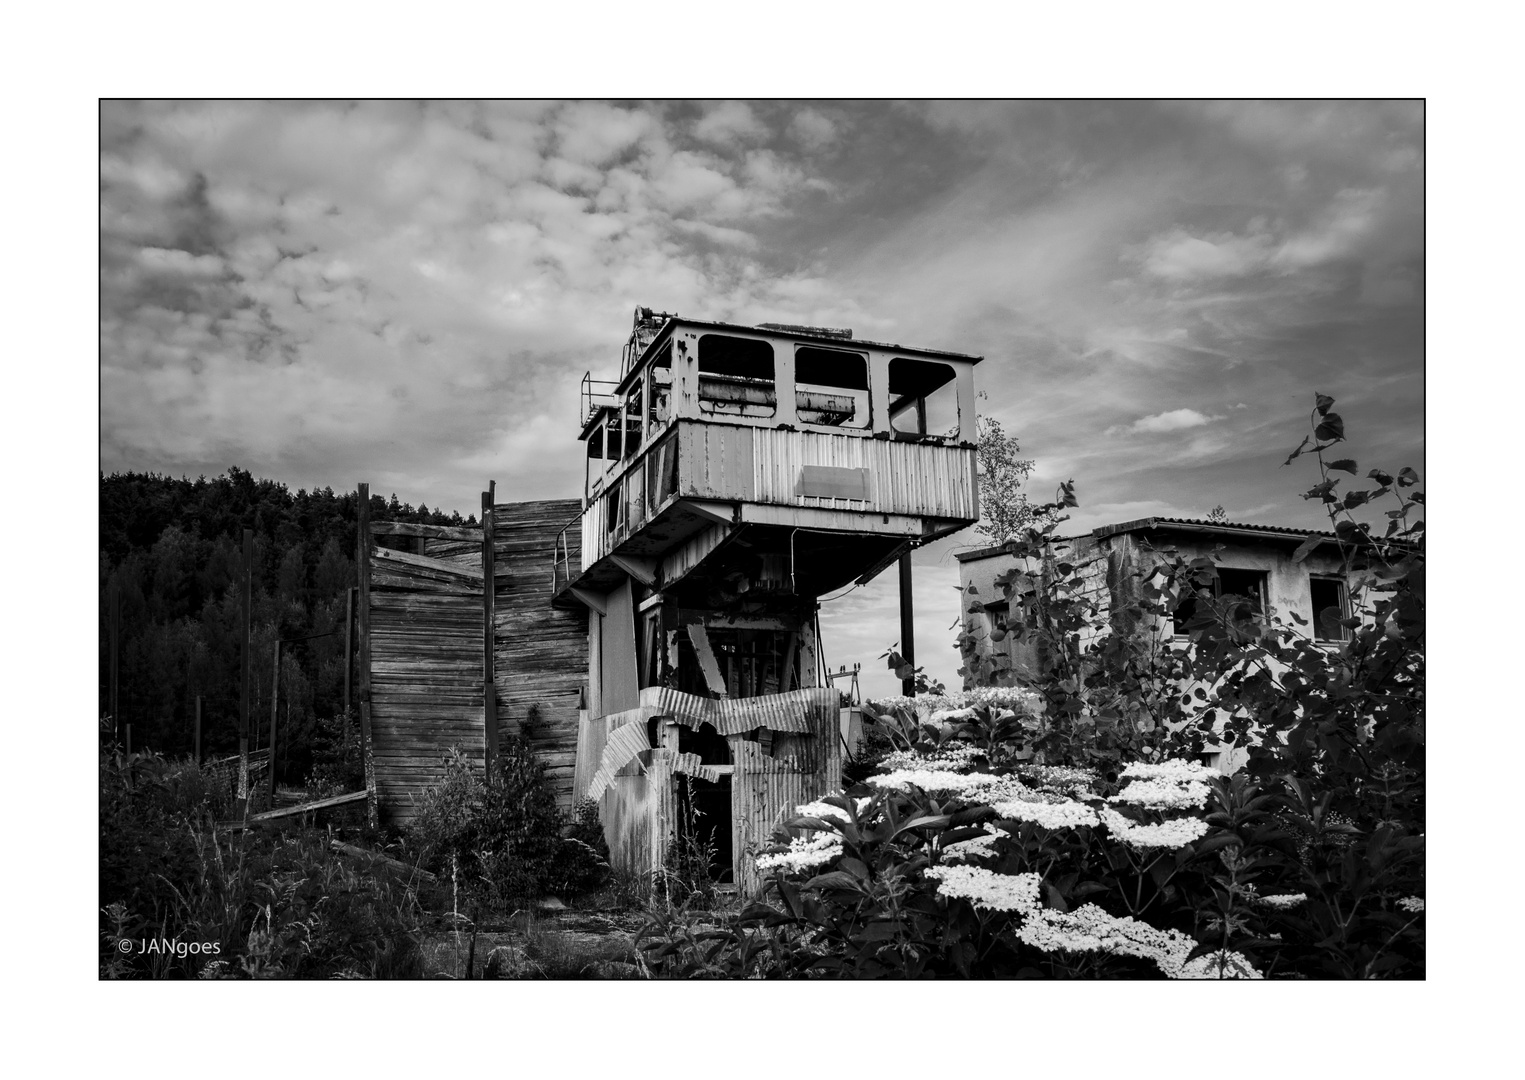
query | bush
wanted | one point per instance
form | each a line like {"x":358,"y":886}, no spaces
{"x":508,"y":841}
{"x":1079,"y":837}
{"x":250,"y":904}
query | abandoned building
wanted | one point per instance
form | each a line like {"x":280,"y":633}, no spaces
{"x":1255,"y":562}
{"x":655,"y":640}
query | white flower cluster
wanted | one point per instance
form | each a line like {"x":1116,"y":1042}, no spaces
{"x":1223,"y":964}
{"x":804,"y":853}
{"x":1167,"y":834}
{"x":1090,"y":929}
{"x":940,"y":716}
{"x":1086,"y":929}
{"x":1412,"y":904}
{"x":1175,"y":770}
{"x":1059,"y":815}
{"x":1061,"y":778}
{"x":1013,"y":698}
{"x":1284,"y":902}
{"x":823,"y":810}
{"x":958,"y":757}
{"x":976,"y":847}
{"x":987,"y":889}
{"x":1163,"y":794}
{"x":934,"y":780}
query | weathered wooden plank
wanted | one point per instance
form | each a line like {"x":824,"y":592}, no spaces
{"x":395,"y":864}
{"x":304,"y":808}
{"x":363,"y":570}
{"x":424,"y":562}
{"x":436,"y":532}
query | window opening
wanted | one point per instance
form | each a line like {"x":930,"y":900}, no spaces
{"x":736,"y":376}
{"x":660,"y":374}
{"x":1330,"y":606}
{"x":1246,"y":587}
{"x":633,"y":420}
{"x":831,"y":387}
{"x":923,"y":398}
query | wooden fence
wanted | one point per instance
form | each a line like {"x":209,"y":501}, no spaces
{"x":429,"y":681}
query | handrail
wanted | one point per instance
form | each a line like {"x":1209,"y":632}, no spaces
{"x":593,"y":399}
{"x":561,"y":556}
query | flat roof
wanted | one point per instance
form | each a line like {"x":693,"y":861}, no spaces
{"x":1198,"y":525}
{"x":821,"y":335}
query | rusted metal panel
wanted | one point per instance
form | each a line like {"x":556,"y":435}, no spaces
{"x":794,"y":711}
{"x":716,"y":461}
{"x":619,"y":687}
{"x":768,"y":465}
{"x":766,"y":788}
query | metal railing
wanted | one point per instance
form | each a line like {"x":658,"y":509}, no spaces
{"x":593,"y":398}
{"x":562,"y":568}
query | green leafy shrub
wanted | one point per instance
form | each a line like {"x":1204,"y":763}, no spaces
{"x":1078,"y":836}
{"x":507,"y":841}
{"x":189,"y":899}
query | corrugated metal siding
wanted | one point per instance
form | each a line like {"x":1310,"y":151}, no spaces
{"x":763,"y":465}
{"x":794,"y":711}
{"x":765,"y":790}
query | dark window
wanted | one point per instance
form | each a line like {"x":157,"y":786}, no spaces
{"x":831,"y":387}
{"x":612,"y":439}
{"x":1241,"y":595}
{"x":736,"y":376}
{"x":923,"y":398}
{"x":661,"y":391}
{"x":1329,"y":608}
{"x":633,"y":419}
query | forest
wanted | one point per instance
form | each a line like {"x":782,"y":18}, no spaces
{"x":171,"y":549}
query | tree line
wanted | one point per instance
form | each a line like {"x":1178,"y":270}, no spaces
{"x":172,"y":548}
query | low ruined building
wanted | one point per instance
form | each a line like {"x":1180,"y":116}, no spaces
{"x":657,"y":638}
{"x":1255,"y":563}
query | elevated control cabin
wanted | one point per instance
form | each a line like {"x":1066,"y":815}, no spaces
{"x":736,"y":475}
{"x":852,"y":448}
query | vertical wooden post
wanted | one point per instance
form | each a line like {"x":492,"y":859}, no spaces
{"x":489,"y":623}
{"x":275,"y":701}
{"x":349,"y":652}
{"x":114,"y":620}
{"x":197,"y":739}
{"x":363,"y":591}
{"x":246,"y":682}
{"x":907,"y":624}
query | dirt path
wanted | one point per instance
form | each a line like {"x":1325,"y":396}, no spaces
{"x":539,"y":945}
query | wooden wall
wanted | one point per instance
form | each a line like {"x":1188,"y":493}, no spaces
{"x":426,"y":678}
{"x":426,"y":655}
{"x":541,"y":651}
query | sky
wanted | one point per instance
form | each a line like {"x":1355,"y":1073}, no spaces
{"x":409,"y":293}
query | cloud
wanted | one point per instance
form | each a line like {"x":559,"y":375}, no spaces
{"x":1174,"y":420}
{"x":729,"y":123}
{"x":408,"y":293}
{"x":1178,"y":256}
{"x":813,"y":129}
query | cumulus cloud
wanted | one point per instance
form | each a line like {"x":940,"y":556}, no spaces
{"x":813,"y":129}
{"x":1174,"y":420}
{"x":408,"y":293}
{"x":728,"y":123}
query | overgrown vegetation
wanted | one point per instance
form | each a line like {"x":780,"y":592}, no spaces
{"x":1070,"y":831}
{"x":182,"y":897}
{"x":503,"y":837}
